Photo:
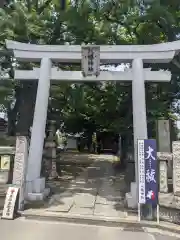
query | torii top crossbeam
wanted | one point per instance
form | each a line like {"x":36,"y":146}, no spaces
{"x":160,"y":53}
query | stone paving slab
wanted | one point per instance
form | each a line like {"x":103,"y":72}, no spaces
{"x":60,"y":196}
{"x":89,"y":191}
{"x":107,"y":210}
{"x":84,"y":200}
{"x":81,"y":210}
{"x":84,"y":185}
{"x":61,"y":205}
{"x":110,"y":194}
{"x":91,"y":184}
{"x":108,"y":200}
{"x":59,"y":208}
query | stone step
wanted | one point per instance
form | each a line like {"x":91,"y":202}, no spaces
{"x":85,"y":158}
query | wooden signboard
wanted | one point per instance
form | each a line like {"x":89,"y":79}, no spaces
{"x":10,"y":203}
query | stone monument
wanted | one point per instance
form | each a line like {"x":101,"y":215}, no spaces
{"x":176,"y":168}
{"x":164,"y":142}
{"x":20,"y":168}
{"x":163,"y":159}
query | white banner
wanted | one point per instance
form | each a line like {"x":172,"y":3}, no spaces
{"x":141,"y":172}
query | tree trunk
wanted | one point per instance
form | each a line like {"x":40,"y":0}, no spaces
{"x":26,"y":108}
{"x":124,"y":148}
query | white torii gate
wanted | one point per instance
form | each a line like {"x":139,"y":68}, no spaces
{"x":137,"y":54}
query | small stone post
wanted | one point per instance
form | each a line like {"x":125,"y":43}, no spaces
{"x":176,"y":167}
{"x":163,"y":159}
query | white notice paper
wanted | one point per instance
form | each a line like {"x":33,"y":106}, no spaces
{"x":141,"y":172}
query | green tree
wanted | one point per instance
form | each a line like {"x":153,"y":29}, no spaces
{"x":105,"y":106}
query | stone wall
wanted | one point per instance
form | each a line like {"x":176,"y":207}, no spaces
{"x":169,"y":197}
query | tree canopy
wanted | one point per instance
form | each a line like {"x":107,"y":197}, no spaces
{"x":104,"y":106}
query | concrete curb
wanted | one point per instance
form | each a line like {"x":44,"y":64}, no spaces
{"x":128,"y":224}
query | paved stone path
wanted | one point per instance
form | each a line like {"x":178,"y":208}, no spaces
{"x":98,"y":190}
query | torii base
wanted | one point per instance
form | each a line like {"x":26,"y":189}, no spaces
{"x":131,"y":197}
{"x":36,"y":191}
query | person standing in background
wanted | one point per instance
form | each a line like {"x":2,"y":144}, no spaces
{"x":61,"y":139}
{"x":94,"y":142}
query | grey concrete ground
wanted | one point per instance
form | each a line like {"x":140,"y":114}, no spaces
{"x":40,"y":230}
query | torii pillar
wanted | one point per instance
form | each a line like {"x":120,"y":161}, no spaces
{"x":139,"y":106}
{"x":39,"y":121}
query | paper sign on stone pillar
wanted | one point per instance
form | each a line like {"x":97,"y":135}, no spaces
{"x":5,"y":162}
{"x":20,"y":165}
